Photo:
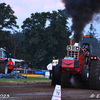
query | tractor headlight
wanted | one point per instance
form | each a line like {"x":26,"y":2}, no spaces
{"x":77,"y":48}
{"x":91,"y":57}
{"x":68,"y":47}
{"x":95,"y":57}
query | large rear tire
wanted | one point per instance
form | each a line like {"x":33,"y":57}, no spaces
{"x":3,"y":67}
{"x":65,"y":80}
{"x":94,"y":75}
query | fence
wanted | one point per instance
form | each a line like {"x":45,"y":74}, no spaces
{"x":40,"y":72}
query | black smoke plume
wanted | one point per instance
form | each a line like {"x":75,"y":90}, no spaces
{"x":81,"y":12}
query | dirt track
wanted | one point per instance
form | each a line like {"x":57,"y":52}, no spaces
{"x":43,"y":91}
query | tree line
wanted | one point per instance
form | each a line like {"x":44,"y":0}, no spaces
{"x":43,"y":36}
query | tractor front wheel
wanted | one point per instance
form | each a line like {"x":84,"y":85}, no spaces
{"x":65,"y":80}
{"x":56,"y":75}
{"x":85,"y":73}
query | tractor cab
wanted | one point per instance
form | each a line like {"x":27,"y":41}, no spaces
{"x":3,"y":61}
{"x":3,"y":53}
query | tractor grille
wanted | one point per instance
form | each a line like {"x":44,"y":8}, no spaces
{"x":73,"y":54}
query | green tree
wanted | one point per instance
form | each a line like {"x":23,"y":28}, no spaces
{"x":57,"y":34}
{"x":7,"y":18}
{"x":42,"y":42}
{"x":4,"y":39}
{"x":33,"y":28}
{"x":15,"y":43}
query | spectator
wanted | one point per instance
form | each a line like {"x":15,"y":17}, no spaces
{"x":49,"y":67}
{"x":10,"y":65}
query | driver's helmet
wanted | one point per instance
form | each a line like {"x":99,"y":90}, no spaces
{"x":86,"y":46}
{"x":83,"y":46}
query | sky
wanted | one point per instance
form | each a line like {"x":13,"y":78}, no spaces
{"x":24,"y":8}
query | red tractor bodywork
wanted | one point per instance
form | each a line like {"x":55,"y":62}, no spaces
{"x":75,"y":59}
{"x":3,"y":59}
{"x":74,"y":65}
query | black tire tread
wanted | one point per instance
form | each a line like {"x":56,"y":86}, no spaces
{"x":56,"y":78}
{"x":94,"y":82}
{"x":84,"y":73}
{"x":65,"y":80}
{"x":2,"y":67}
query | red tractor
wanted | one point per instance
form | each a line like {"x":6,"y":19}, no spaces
{"x":79,"y":62}
{"x":3,"y":61}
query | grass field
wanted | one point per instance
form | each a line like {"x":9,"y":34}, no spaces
{"x":28,"y":79}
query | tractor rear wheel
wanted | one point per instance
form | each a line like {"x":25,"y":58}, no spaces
{"x":65,"y":79}
{"x":94,"y":75}
{"x":3,"y":67}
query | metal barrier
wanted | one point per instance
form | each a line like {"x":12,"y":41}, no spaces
{"x":44,"y":73}
{"x":25,"y":71}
